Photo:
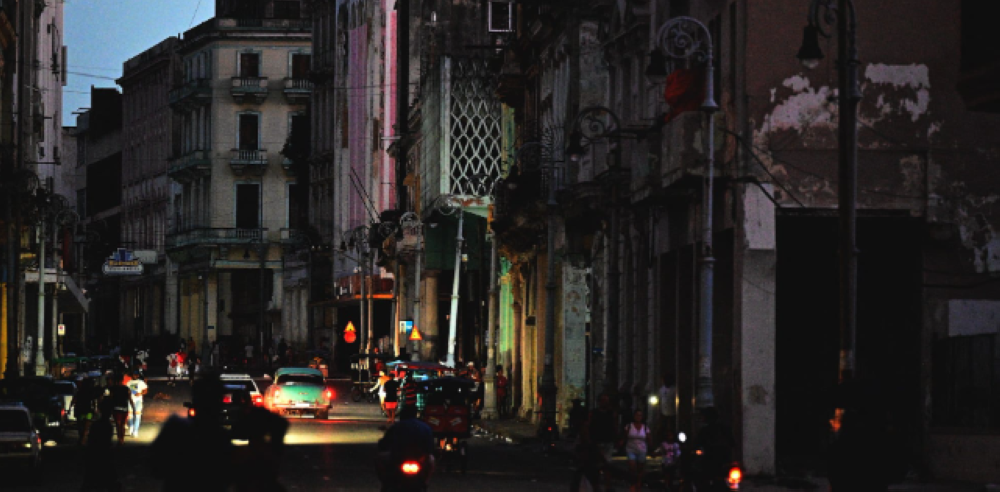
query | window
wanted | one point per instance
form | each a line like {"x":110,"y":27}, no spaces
{"x":249,"y":65}
{"x":965,"y":386}
{"x":296,"y":218}
{"x":287,"y":9}
{"x":248,"y":206}
{"x":300,"y":66}
{"x":249,"y":133}
{"x":501,"y":16}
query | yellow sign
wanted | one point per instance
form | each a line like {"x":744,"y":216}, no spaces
{"x":415,"y":334}
{"x":350,"y":326}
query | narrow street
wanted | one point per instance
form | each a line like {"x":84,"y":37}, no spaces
{"x":328,"y":455}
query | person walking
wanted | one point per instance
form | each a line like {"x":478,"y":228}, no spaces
{"x":667,"y":395}
{"x":410,"y":392}
{"x":121,"y":400}
{"x":84,"y":403}
{"x":390,"y":390}
{"x":138,"y":388}
{"x":173,"y":367}
{"x":637,"y":441}
{"x":100,"y":473}
{"x":602,"y":427}
{"x":501,"y":383}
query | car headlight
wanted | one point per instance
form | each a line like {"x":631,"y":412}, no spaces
{"x":26,"y":445}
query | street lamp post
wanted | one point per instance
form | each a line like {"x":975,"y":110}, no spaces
{"x":410,"y":220}
{"x":686,"y":38}
{"x":822,"y":14}
{"x":489,"y":380}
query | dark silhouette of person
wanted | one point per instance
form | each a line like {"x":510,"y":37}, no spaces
{"x":255,"y":466}
{"x":100,"y":472}
{"x":195,"y":453}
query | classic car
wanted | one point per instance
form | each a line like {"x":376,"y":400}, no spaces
{"x":299,"y":391}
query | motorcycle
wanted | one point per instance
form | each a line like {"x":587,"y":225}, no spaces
{"x":407,"y":475}
{"x":704,"y":470}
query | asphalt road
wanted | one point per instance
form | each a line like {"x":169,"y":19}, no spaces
{"x":320,"y":455}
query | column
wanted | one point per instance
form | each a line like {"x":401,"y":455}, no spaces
{"x":429,"y":348}
{"x":758,"y":332}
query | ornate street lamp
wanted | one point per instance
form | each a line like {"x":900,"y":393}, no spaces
{"x":822,"y":16}
{"x":686,"y":38}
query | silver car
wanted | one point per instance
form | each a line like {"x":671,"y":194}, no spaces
{"x":20,"y":443}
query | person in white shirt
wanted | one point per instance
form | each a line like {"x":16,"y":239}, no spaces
{"x":138,"y":388}
{"x":668,"y":401}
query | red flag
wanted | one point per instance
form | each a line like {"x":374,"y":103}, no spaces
{"x":685,"y":91}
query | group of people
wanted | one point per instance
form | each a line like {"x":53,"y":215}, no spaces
{"x":120,"y":398}
{"x":185,"y":361}
{"x":478,"y":375}
{"x":391,"y":387}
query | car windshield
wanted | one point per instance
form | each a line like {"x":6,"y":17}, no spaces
{"x":300,"y":379}
{"x":14,"y":421}
{"x":245,"y":384}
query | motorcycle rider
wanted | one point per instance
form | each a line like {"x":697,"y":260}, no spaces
{"x":408,"y":439}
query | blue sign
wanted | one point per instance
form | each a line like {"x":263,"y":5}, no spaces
{"x":406,"y":327}
{"x":121,"y":262}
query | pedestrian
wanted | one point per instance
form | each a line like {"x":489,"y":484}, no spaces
{"x":410,"y":392}
{"x":121,"y":399}
{"x":193,"y":366}
{"x":100,"y":473}
{"x":670,"y":449}
{"x":380,"y":388}
{"x":192,"y":346}
{"x":667,"y":396}
{"x":282,"y":348}
{"x":84,"y":405}
{"x":249,"y":354}
{"x":501,"y":383}
{"x":183,"y":346}
{"x":138,"y":388}
{"x":391,"y":399}
{"x":173,"y":366}
{"x":637,"y":439}
{"x":195,"y":454}
{"x":215,"y":352}
{"x":602,"y":426}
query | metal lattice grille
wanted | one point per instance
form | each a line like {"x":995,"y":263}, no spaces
{"x":475,"y":129}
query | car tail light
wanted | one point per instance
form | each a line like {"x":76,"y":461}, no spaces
{"x":258,"y":400}
{"x":735,"y":477}
{"x":411,"y":467}
{"x":277,"y":393}
{"x":190,"y":412}
{"x":62,"y":412}
{"x":329,"y":394}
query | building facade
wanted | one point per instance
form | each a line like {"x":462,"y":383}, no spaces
{"x":148,"y":128}
{"x":242,"y":90}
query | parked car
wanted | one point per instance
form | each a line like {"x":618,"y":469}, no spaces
{"x":299,"y":391}
{"x":20,"y":444}
{"x":247,"y":383}
{"x":234,"y":412}
{"x":67,"y":389}
{"x":39,"y":395}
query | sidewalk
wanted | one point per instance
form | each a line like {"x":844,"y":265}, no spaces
{"x":521,"y":432}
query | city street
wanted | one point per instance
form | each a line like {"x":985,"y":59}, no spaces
{"x":329,"y":455}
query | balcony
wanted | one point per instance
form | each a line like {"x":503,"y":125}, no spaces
{"x":211,"y":236}
{"x":188,"y":167}
{"x":297,"y":91}
{"x":191,"y":94}
{"x":249,"y":89}
{"x":250,"y":162}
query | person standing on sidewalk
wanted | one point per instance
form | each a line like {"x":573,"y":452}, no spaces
{"x":501,"y":392}
{"x":391,"y":399}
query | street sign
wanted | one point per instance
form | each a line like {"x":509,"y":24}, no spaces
{"x":60,"y":329}
{"x":146,"y":256}
{"x":415,"y":334}
{"x":350,"y":333}
{"x":122,"y":263}
{"x":406,"y":327}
